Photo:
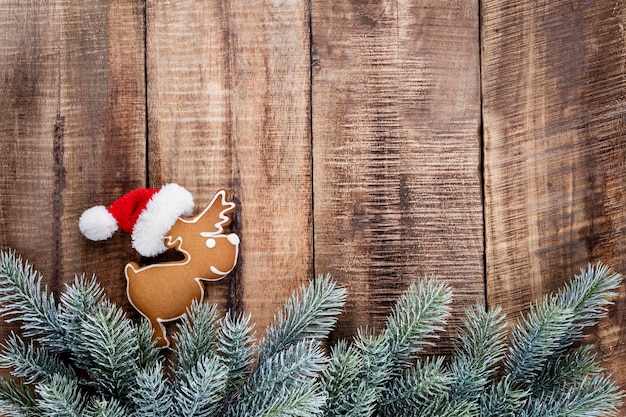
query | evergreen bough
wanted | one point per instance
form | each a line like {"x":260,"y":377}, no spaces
{"x":82,"y":356}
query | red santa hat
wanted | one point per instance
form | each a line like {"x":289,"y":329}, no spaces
{"x":146,"y":213}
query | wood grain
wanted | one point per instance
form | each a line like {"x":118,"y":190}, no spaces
{"x":554,"y":86}
{"x":228,"y":105}
{"x":358,"y":154}
{"x":29,"y":87}
{"x":396,"y":147}
{"x":72,"y":130}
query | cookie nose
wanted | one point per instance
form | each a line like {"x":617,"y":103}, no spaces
{"x":233,"y":238}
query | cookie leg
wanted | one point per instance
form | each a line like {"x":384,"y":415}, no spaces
{"x":160,"y":333}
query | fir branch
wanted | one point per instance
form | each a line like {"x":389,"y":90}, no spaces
{"x":298,"y":400}
{"x":284,"y":384}
{"x":587,"y":296}
{"x":556,"y":322}
{"x":348,"y":394}
{"x":479,"y":349}
{"x":235,"y":343}
{"x":596,"y":396}
{"x":17,"y":401}
{"x":99,"y":407}
{"x":310,"y":314}
{"x":376,"y":361}
{"x":196,"y":337}
{"x":423,"y":382}
{"x":299,"y":362}
{"x":23,"y":299}
{"x":109,"y":340}
{"x":374,"y":371}
{"x":32,"y":363}
{"x":420,"y":312}
{"x":79,"y":300}
{"x":198,"y":392}
{"x":147,"y":351}
{"x":443,"y":406}
{"x":569,"y":367}
{"x":60,"y":397}
{"x":150,"y":394}
{"x":502,"y":399}
{"x":535,"y":339}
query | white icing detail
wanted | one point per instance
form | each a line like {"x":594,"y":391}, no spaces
{"x":218,"y":272}
{"x":233,"y":238}
{"x":210,"y":243}
{"x":219,"y":226}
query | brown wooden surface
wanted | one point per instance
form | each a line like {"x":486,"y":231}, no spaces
{"x":350,"y":134}
{"x":228,"y":106}
{"x":396,"y":150}
{"x":72,"y":130}
{"x":554,"y":89}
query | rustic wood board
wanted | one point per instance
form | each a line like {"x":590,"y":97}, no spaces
{"x":72,"y":133}
{"x":29,"y":87}
{"x":396,"y":150}
{"x":368,"y":167}
{"x":228,"y":106}
{"x":554,"y":88}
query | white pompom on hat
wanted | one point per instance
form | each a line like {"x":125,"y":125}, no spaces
{"x":146,"y":213}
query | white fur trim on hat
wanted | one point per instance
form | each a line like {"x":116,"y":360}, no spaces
{"x":159,"y":216}
{"x":96,"y":223}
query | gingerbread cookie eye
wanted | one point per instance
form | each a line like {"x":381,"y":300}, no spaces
{"x":210,"y":243}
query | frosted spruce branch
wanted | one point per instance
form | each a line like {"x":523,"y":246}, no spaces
{"x":23,"y":299}
{"x":82,"y":356}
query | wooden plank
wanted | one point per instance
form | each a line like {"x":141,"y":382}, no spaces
{"x":554,"y":110}
{"x":228,"y":100}
{"x":102,"y":109}
{"x":29,"y":86}
{"x":72,"y":133}
{"x":396,"y":116}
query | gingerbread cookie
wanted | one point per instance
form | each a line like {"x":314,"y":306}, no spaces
{"x":164,"y":291}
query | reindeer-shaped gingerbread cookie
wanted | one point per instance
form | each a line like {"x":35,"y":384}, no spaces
{"x":158,"y":220}
{"x":162,"y":292}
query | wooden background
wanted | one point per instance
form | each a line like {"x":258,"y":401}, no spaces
{"x":480,"y":142}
